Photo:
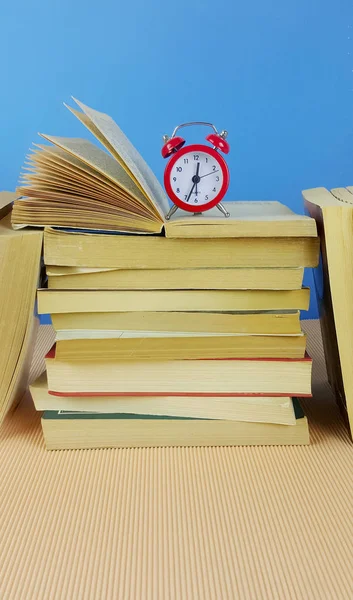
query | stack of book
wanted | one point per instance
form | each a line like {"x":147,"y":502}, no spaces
{"x":190,"y":336}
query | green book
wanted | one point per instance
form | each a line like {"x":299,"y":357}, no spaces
{"x":78,"y":430}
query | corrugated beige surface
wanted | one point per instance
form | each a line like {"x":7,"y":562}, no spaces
{"x":222,"y":523}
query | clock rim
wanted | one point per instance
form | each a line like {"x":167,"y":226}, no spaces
{"x":167,"y":173}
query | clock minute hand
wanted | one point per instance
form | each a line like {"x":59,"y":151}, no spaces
{"x":192,"y":189}
{"x":216,"y":171}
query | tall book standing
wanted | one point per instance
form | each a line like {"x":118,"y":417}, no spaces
{"x":333,"y":212}
{"x":20,"y":254}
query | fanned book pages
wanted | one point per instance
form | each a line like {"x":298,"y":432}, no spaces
{"x":74,"y":184}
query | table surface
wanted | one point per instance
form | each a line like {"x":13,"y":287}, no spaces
{"x":186,"y":523}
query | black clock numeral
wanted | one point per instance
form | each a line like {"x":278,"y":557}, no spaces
{"x":185,"y":196}
{"x":196,"y":156}
{"x":214,"y":168}
{"x":174,"y":178}
{"x":186,"y":160}
{"x":206,"y":159}
{"x":195,"y":201}
{"x":217,"y":178}
{"x":178,"y":191}
{"x":214,"y":189}
{"x":206,"y":197}
{"x":179,"y":169}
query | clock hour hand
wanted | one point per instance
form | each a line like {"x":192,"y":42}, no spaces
{"x":197,"y":177}
{"x":195,"y":180}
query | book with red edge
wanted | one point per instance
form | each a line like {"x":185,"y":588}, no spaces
{"x":205,"y":377}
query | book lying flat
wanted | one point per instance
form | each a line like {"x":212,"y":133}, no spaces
{"x":175,"y":279}
{"x":170,"y":346}
{"x":333,"y":212}
{"x":20,"y":253}
{"x":73,"y":249}
{"x":73,"y":183}
{"x":260,"y":323}
{"x":215,"y":377}
{"x":255,"y":409}
{"x":69,"y":430}
{"x":61,"y":301}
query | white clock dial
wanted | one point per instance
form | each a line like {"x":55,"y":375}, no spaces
{"x":196,"y":178}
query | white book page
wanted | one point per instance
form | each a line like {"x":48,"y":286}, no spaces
{"x":130,"y":156}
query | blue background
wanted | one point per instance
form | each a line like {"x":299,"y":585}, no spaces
{"x":278,"y":76}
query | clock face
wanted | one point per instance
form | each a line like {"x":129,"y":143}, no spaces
{"x":195,"y":177}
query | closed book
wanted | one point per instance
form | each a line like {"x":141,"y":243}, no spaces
{"x":64,"y":301}
{"x":126,"y":345}
{"x":175,"y":279}
{"x":255,"y":409}
{"x":70,"y":430}
{"x":260,"y":323}
{"x":223,"y":377}
{"x":75,"y":249}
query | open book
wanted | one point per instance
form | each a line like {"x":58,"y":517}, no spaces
{"x":74,"y":183}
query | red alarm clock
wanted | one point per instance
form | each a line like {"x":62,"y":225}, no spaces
{"x":196,"y":177}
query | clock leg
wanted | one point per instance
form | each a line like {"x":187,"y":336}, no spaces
{"x":173,"y":209}
{"x":223,"y":210}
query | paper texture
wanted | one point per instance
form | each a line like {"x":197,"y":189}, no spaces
{"x":99,"y":160}
{"x":246,"y":210}
{"x":126,"y":152}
